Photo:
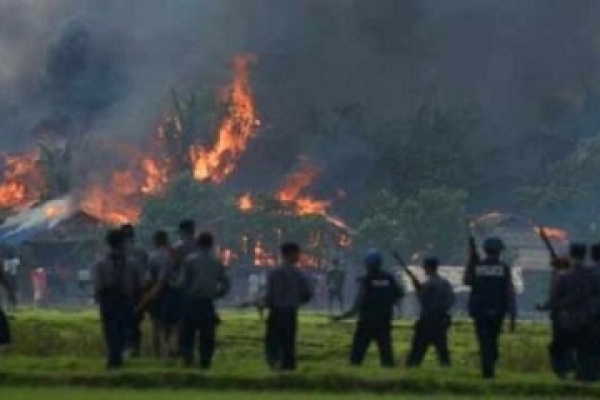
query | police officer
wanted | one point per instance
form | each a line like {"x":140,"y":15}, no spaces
{"x":492,"y":298}
{"x":171,"y":295}
{"x":576,"y":306}
{"x":116,"y":281}
{"x":4,"y":326}
{"x":160,"y":266}
{"x":436,"y":298}
{"x":377,"y":295}
{"x":336,"y":278}
{"x":288,"y":288}
{"x":138,"y":258}
{"x":203,"y":280}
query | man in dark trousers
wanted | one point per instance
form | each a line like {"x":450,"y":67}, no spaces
{"x":377,"y":295}
{"x":160,"y":265}
{"x":12,"y":298}
{"x":436,"y":298}
{"x":139,"y":259}
{"x":171,"y":298}
{"x":203,"y":280}
{"x":288,"y":288}
{"x":115,"y":287}
{"x":575,"y":303}
{"x":492,"y":298}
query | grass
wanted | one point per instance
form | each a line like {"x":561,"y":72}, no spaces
{"x":78,"y":394}
{"x":65,"y":349}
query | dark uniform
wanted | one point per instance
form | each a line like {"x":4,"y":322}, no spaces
{"x":576,"y":306}
{"x":377,"y":296}
{"x":115,"y":284}
{"x":492,"y":298}
{"x":436,"y":298}
{"x":160,"y":267}
{"x":203,"y":280}
{"x":288,"y":288}
{"x":4,"y":326}
{"x":138,"y":258}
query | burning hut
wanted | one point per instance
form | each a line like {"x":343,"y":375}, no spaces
{"x":56,"y":235}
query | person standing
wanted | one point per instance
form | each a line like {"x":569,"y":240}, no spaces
{"x":139,"y":259}
{"x":115,"y":286}
{"x":436,"y":298}
{"x":203,"y":280}
{"x":377,"y":295}
{"x":575,"y":302}
{"x":39,"y":280}
{"x":11,"y":271}
{"x":492,"y":298}
{"x":160,"y":266}
{"x":4,"y":325}
{"x":288,"y":288}
{"x":336,"y":279}
{"x":171,"y":306}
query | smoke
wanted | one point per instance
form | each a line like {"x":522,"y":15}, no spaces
{"x":329,"y":72}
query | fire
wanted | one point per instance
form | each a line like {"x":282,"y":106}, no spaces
{"x":554,"y":233}
{"x":291,"y":193}
{"x":115,"y":202}
{"x":245,"y":203}
{"x":55,"y":211}
{"x":155,"y":179}
{"x":22,"y":181}
{"x":263,"y":258}
{"x":236,"y":129}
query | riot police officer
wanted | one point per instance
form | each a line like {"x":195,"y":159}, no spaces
{"x":492,"y":298}
{"x":378,"y":293}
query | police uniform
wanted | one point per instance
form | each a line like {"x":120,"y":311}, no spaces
{"x":170,"y":311}
{"x":492,"y":298}
{"x":203,"y":279}
{"x":436,"y":298}
{"x":137,"y":258}
{"x":576,"y":307}
{"x":378,"y":293}
{"x":115,"y":287}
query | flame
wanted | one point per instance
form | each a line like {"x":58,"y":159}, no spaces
{"x":22,"y":181}
{"x":114,"y":202}
{"x":345,"y":240}
{"x":245,"y":203}
{"x":554,"y":233}
{"x":55,"y":211}
{"x":155,"y":179}
{"x":263,"y":258}
{"x":291,"y":193}
{"x":236,"y":129}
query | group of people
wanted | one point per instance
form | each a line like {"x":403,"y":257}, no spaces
{"x":177,"y":286}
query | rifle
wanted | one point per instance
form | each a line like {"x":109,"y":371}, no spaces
{"x":413,"y":278}
{"x":474,"y":257}
{"x":553,"y":256}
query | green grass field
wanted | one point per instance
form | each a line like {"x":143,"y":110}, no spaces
{"x":64,"y":349}
{"x":108,"y":394}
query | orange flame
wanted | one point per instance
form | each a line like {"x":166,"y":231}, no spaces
{"x":235,"y":131}
{"x":291,"y":193}
{"x":156,"y":178}
{"x":245,"y":203}
{"x":554,"y":233}
{"x":115,"y":202}
{"x":22,"y":182}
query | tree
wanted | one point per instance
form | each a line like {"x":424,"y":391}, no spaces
{"x":431,"y":221}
